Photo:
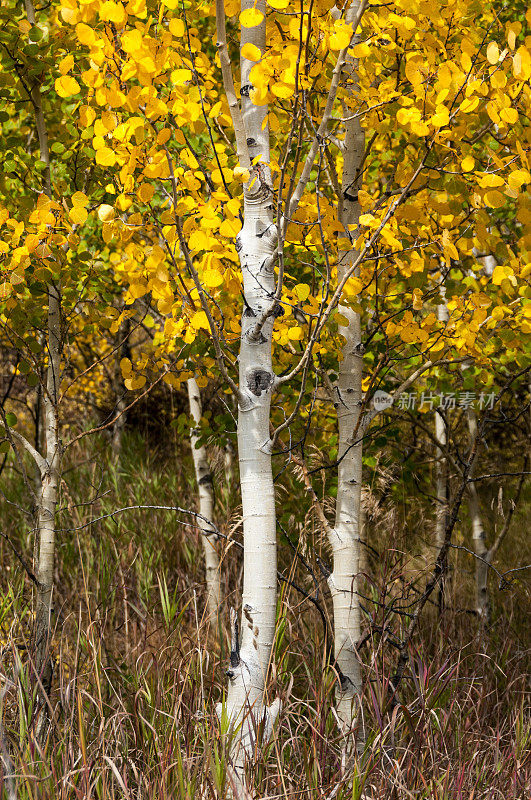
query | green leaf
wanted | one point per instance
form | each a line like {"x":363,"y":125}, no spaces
{"x":11,"y":419}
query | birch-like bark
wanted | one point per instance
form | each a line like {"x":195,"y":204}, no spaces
{"x":48,"y":497}
{"x":441,"y":471}
{"x":441,"y":481}
{"x":441,"y":466}
{"x":120,"y":391}
{"x":47,"y":500}
{"x":344,"y":537}
{"x":205,"y":488}
{"x":483,"y":558}
{"x":250,"y":656}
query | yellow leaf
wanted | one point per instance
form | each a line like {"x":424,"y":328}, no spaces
{"x":85,"y":34}
{"x":498,"y":80}
{"x":353,"y":287}
{"x":78,"y":215}
{"x":146,"y":192}
{"x":489,"y":181}
{"x":251,"y":17}
{"x":79,"y":199}
{"x":498,"y":275}
{"x":469,"y":104}
{"x":417,"y":299}
{"x":278,"y":5}
{"x":282,"y":90}
{"x":105,"y":157}
{"x":518,"y":178}
{"x":176,"y":27}
{"x":468,"y":164}
{"x":106,"y":213}
{"x":302,"y":291}
{"x":132,"y":41}
{"x":341,"y":37}
{"x":493,"y":53}
{"x":361,"y":50}
{"x":65,"y":86}
{"x":441,"y":117}
{"x":341,"y":320}
{"x":180,"y":76}
{"x":66,"y":64}
{"x":494,"y":199}
{"x":212,"y":278}
{"x":296,"y":333}
{"x":200,"y":320}
{"x":230,"y":228}
{"x":251,"y":52}
{"x":218,"y":177}
{"x":509,"y":115}
{"x":241,"y":174}
{"x":112,"y":12}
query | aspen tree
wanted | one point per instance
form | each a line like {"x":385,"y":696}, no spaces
{"x":345,"y":535}
{"x":49,"y":464}
{"x":246,"y":700}
{"x":441,"y":468}
{"x":119,"y":389}
{"x":205,"y":491}
{"x":478,"y":534}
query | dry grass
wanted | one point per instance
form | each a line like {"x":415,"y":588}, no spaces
{"x":139,"y":668}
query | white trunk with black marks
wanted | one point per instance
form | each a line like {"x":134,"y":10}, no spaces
{"x":478,"y":535}
{"x":440,"y":481}
{"x":441,"y":466}
{"x":246,"y":700}
{"x":120,"y":391}
{"x":205,"y":490}
{"x":345,"y":536}
{"x":48,"y":494}
{"x":47,"y":498}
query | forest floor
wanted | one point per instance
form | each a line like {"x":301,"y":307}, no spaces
{"x":139,"y":667}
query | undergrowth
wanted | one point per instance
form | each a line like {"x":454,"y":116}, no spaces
{"x":139,"y":667}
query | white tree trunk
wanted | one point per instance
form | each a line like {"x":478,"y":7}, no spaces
{"x":206,"y":504}
{"x":47,"y":498}
{"x":255,"y":243}
{"x":48,"y":493}
{"x":120,"y":392}
{"x":478,"y":535}
{"x":441,"y":469}
{"x":441,"y":481}
{"x":345,"y":536}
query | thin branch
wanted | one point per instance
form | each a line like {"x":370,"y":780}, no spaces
{"x":31,"y":575}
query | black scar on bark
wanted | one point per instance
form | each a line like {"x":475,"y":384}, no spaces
{"x":258,"y":381}
{"x":252,"y":142}
{"x":353,"y":198}
{"x":246,"y":90}
{"x":205,"y":480}
{"x":238,"y":244}
{"x":344,"y":681}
